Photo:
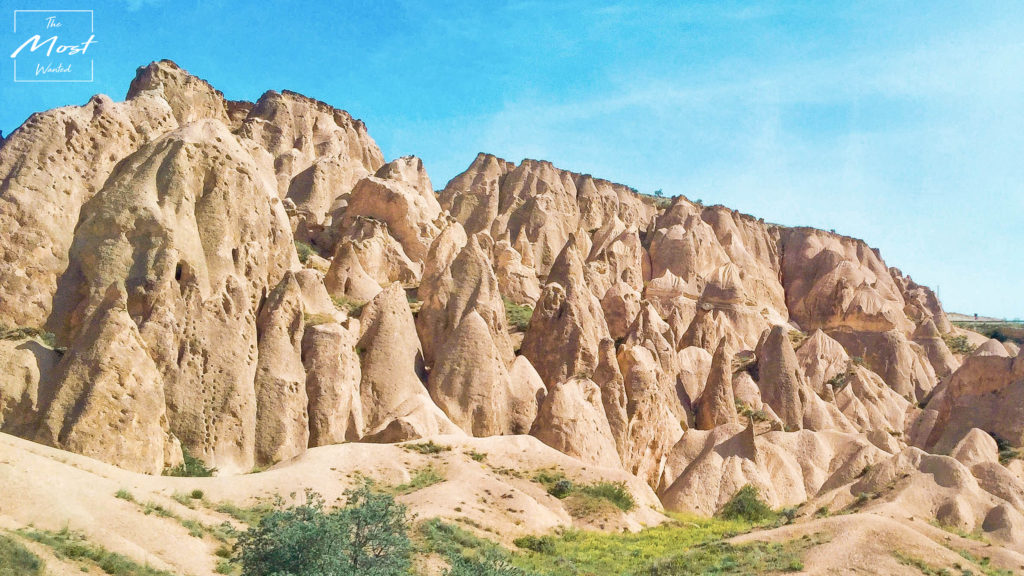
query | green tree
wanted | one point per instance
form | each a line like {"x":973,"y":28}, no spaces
{"x":369,"y":537}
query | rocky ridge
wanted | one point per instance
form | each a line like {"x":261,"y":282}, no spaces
{"x":244,"y":281}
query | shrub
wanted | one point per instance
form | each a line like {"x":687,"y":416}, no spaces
{"x":467,"y":554}
{"x":747,"y":505}
{"x":423,"y":478}
{"x":488,"y":565}
{"x":196,"y":494}
{"x":747,"y":412}
{"x":124,"y":495}
{"x":191,"y":467}
{"x":367,"y":537}
{"x":538,"y":544}
{"x":518,"y":315}
{"x":24,"y":333}
{"x":477,"y":456}
{"x":16,"y":560}
{"x":304,"y":251}
{"x":959,"y":344}
{"x":73,"y":545}
{"x":561,"y":489}
{"x":428,"y":447}
{"x":614,"y":492}
{"x":353,"y":307}
{"x":1006,"y":450}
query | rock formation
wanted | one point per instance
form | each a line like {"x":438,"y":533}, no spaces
{"x":242,"y":281}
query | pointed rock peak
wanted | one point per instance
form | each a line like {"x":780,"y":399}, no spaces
{"x":724,"y":286}
{"x":568,"y":266}
{"x":347,"y":277}
{"x":287,"y":288}
{"x":976,"y":447}
{"x":748,"y":442}
{"x":647,"y":323}
{"x":717,"y":404}
{"x":114,"y":298}
{"x":992,"y":347}
{"x":410,"y":170}
{"x":484,"y":159}
{"x":927,"y":331}
{"x":448,"y":243}
{"x":191,"y":98}
{"x":818,"y":339}
{"x":723,"y":353}
{"x":390,"y":305}
{"x":781,"y":382}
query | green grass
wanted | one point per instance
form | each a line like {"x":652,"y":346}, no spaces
{"x":305,"y":251}
{"x":584,"y":552}
{"x":25,"y":333}
{"x":353,"y":307}
{"x":985,"y":564}
{"x":467,"y":554}
{"x":250,"y":515}
{"x":124,"y":494}
{"x":476,"y":456}
{"x":747,"y":412}
{"x":421,"y":479}
{"x":191,"y":467}
{"x":959,"y":344}
{"x":154,"y":508}
{"x":73,"y":546}
{"x":1007,"y":451}
{"x":313,"y":320}
{"x":427,"y":447}
{"x":16,"y":560}
{"x":518,"y":315}
{"x":977,"y":535}
{"x":583,"y":500}
{"x":724,"y":558}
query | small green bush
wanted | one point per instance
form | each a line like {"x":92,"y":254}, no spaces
{"x":747,"y":505}
{"x":428,"y":447}
{"x":16,"y":560}
{"x":561,"y":489}
{"x":477,"y":456}
{"x":518,"y":315}
{"x":421,"y":479}
{"x":959,"y":344}
{"x":191,"y":467}
{"x":124,"y":495}
{"x":196,"y":494}
{"x":25,"y":333}
{"x":614,"y":492}
{"x":353,"y":307}
{"x":1007,"y":451}
{"x":304,"y":251}
{"x":538,"y":544}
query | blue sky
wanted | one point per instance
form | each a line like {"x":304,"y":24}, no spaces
{"x":898,"y":122}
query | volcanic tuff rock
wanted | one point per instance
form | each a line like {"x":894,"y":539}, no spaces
{"x":694,"y":348}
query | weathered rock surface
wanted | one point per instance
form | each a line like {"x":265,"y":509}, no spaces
{"x":717,"y":405}
{"x":690,"y":348}
{"x":572,"y":420}
{"x":396,"y":405}
{"x":108,"y":402}
{"x":332,"y":384}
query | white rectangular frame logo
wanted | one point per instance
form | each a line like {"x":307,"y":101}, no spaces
{"x":92,"y":30}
